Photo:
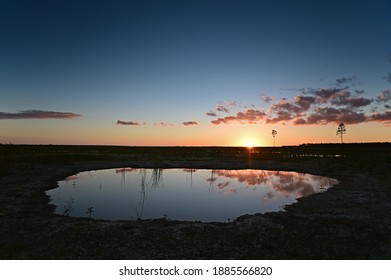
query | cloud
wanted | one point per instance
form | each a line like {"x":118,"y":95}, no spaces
{"x":281,"y":117}
{"x":384,"y":96}
{"x":387,"y":77}
{"x":222,"y":108}
{"x":211,"y":114}
{"x":323,"y":95}
{"x":314,"y":106}
{"x":321,"y":106}
{"x":267,"y":99}
{"x":190,"y":123}
{"x":130,"y":123}
{"x":304,"y":102}
{"x":381,"y":117}
{"x":230,"y":103}
{"x":339,"y":97}
{"x":299,"y":121}
{"x":359,"y":91}
{"x":225,"y":107}
{"x":38,"y":114}
{"x":163,"y":124}
{"x":352,"y":102}
{"x":286,"y":110}
{"x":249,"y":116}
{"x":327,"y":115}
{"x":221,"y":186}
{"x":346,"y":82}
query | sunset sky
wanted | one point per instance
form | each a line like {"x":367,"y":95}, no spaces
{"x":194,"y":72}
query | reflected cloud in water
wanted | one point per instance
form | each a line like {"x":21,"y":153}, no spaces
{"x":287,"y":183}
{"x":212,"y":195}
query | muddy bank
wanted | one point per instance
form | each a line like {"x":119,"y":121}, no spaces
{"x":349,"y":221}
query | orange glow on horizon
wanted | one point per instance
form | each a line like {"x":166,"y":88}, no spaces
{"x":249,"y":142}
{"x":86,"y":132}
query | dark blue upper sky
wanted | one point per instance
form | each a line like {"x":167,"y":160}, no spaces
{"x":172,"y":61}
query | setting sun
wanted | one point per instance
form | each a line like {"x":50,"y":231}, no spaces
{"x":249,"y":143}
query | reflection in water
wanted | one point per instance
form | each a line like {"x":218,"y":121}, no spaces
{"x":213,"y":195}
{"x":286,"y":183}
{"x":72,"y":178}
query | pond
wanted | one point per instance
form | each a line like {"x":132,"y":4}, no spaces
{"x":181,"y":194}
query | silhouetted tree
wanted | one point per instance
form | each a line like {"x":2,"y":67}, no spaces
{"x":341,"y":131}
{"x":274,"y":133}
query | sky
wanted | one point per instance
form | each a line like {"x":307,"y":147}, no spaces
{"x":195,"y":72}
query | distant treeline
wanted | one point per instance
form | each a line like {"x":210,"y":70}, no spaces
{"x":371,"y":144}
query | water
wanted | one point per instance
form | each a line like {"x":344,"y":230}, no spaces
{"x":181,"y":194}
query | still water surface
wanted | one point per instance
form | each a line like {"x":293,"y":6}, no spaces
{"x":181,"y":194}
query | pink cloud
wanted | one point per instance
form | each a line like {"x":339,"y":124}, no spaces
{"x":38,"y":114}
{"x":190,"y":123}
{"x":222,"y":108}
{"x":381,"y":117}
{"x":211,"y":114}
{"x":267,"y":99}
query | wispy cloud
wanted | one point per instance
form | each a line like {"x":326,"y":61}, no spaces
{"x":346,"y":82}
{"x":130,"y":123}
{"x":163,"y":124}
{"x":38,"y":114}
{"x":190,"y":123}
{"x":222,"y":108}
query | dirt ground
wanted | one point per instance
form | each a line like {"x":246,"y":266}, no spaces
{"x":349,"y":221}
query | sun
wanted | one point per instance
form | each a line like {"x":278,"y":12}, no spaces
{"x":249,"y":143}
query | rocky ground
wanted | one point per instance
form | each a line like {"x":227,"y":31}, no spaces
{"x":349,"y":221}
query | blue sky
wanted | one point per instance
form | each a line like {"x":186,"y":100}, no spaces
{"x":172,"y":62}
